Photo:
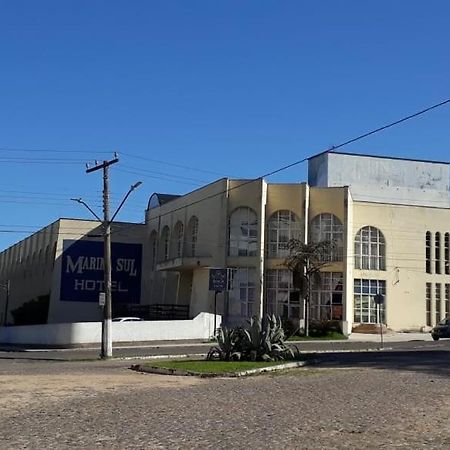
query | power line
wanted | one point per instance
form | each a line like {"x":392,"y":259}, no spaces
{"x":330,"y":149}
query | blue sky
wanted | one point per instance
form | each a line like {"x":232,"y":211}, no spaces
{"x":231,"y":88}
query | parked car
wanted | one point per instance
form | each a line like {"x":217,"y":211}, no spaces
{"x":127,"y":319}
{"x":441,"y":330}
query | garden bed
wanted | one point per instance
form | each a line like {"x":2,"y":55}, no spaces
{"x":208,"y":369}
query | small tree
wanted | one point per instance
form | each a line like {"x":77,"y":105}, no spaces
{"x":306,"y":261}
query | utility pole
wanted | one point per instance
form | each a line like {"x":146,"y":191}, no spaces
{"x":7,"y":287}
{"x":106,"y":351}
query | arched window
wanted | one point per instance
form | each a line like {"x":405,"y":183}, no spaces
{"x":428,"y":252}
{"x":165,"y":243}
{"x":327,"y":227}
{"x":370,"y":249}
{"x":153,"y":248}
{"x":243,"y":232}
{"x":192,"y":237}
{"x":282,"y":226}
{"x":437,"y":252}
{"x":178,"y":237}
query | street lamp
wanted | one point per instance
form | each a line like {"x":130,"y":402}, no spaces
{"x":106,"y":351}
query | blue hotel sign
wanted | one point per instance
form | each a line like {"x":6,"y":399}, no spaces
{"x":82,"y":271}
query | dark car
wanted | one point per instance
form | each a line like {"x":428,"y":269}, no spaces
{"x":441,"y":330}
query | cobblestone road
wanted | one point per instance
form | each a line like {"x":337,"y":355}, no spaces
{"x":104,"y":405}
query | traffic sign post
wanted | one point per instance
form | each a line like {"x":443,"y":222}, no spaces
{"x":217,"y":283}
{"x":379,"y":300}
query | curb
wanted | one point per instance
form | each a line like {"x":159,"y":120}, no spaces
{"x":244,"y":373}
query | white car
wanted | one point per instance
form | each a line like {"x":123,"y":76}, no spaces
{"x":127,"y":319}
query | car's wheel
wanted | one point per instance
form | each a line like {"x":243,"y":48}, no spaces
{"x":435,"y":338}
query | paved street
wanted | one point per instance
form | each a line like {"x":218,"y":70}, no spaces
{"x":356,"y":342}
{"x":392,"y":399}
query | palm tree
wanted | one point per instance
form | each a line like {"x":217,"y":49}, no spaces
{"x":306,"y":261}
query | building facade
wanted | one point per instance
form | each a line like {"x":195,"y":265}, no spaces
{"x":388,"y":218}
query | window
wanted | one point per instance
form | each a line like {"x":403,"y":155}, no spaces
{"x":365,"y":309}
{"x":370,"y":249}
{"x":192,"y":237}
{"x":165,"y":243}
{"x":437,"y":252}
{"x":178,"y":240}
{"x":282,"y":226}
{"x":242,"y":292}
{"x":153,"y":249}
{"x":281,"y":298}
{"x":326,"y":298}
{"x":437,"y":300}
{"x":428,"y":252}
{"x":446,"y":254}
{"x":327,"y":227}
{"x":447,"y":300}
{"x":428,"y":303}
{"x":243,"y":233}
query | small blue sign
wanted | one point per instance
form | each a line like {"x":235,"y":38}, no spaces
{"x":218,"y":280}
{"x":82,"y":275}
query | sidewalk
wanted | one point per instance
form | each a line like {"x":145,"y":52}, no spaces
{"x":390,"y":337}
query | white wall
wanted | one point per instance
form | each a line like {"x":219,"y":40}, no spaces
{"x":78,"y":333}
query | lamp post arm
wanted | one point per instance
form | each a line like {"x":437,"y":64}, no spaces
{"x":82,"y":202}
{"x":132,"y":188}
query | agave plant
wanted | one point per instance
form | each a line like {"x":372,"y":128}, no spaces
{"x":264,"y":340}
{"x":228,"y":345}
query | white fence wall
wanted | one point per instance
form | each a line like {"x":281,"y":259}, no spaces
{"x":79,"y":333}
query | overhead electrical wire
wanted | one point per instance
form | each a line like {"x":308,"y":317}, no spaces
{"x":330,"y":149}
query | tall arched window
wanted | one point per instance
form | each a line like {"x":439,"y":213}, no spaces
{"x":327,"y":227}
{"x":437,"y":252}
{"x":192,"y":237}
{"x":243,"y":232}
{"x":165,"y":243}
{"x":282,"y":226}
{"x":178,"y":239}
{"x":370,"y":249}
{"x":428,"y":252}
{"x":153,"y":248}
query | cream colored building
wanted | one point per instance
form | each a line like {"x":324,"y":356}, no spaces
{"x":41,"y":267}
{"x":389,"y":217}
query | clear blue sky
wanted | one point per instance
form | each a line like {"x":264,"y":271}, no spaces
{"x":237,"y":88}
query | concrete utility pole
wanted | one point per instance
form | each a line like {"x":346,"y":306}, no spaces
{"x":106,"y":351}
{"x":7,"y":288}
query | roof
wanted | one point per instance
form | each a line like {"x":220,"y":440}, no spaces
{"x":378,"y":156}
{"x":160,"y":199}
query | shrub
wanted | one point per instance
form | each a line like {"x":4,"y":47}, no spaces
{"x":262,"y":340}
{"x":323,"y":327}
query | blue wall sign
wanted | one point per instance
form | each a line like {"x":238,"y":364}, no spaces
{"x":82,"y":271}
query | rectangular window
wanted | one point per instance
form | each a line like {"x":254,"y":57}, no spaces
{"x":326,"y":298}
{"x":446,"y":254}
{"x":428,"y":303}
{"x":447,"y":300}
{"x":281,"y":297}
{"x":437,"y":298}
{"x":428,"y":252}
{"x":242,"y":284}
{"x":365,"y":309}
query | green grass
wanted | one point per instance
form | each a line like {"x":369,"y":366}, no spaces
{"x":203,"y":366}
{"x":332,"y":336}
